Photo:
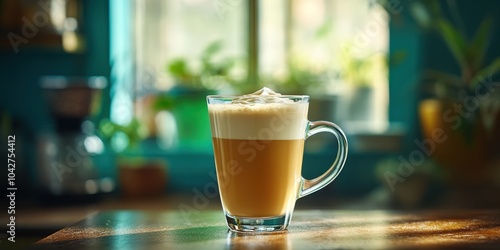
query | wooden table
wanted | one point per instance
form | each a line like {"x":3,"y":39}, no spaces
{"x":310,"y":229}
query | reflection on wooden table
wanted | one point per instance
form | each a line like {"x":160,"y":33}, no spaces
{"x":310,"y":229}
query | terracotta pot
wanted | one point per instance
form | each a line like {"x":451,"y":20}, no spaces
{"x":464,"y":156}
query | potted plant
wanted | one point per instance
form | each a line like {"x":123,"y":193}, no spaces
{"x":463,"y":107}
{"x":138,"y":175}
{"x":211,"y":74}
{"x":361,"y":73}
{"x":187,"y":99}
{"x":410,"y":191}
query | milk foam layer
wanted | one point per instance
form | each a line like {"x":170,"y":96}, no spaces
{"x":257,"y":119}
{"x":264,"y":95}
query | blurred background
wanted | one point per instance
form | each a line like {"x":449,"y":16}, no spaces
{"x":106,"y":100}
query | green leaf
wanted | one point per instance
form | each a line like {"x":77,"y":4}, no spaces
{"x":479,"y":43}
{"x":178,"y":68}
{"x":433,"y":6}
{"x":211,"y":49}
{"x":487,"y":71}
{"x":455,"y":41}
{"x":107,"y":128}
{"x":425,"y":12}
{"x":164,"y":102}
{"x":324,"y":29}
{"x":421,"y":14}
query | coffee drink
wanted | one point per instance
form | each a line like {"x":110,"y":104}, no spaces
{"x":258,"y":151}
{"x":264,"y":186}
{"x":258,"y":142}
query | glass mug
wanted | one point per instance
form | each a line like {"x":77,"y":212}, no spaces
{"x":258,"y":150}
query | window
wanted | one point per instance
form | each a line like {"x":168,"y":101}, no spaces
{"x":317,"y":47}
{"x":168,"y":30}
{"x":328,"y":47}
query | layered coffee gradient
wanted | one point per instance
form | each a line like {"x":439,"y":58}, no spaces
{"x":258,"y":144}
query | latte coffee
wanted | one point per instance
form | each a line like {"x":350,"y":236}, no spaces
{"x":258,"y":142}
{"x":258,"y":151}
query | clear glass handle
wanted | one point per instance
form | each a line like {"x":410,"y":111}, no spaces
{"x":311,"y":186}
